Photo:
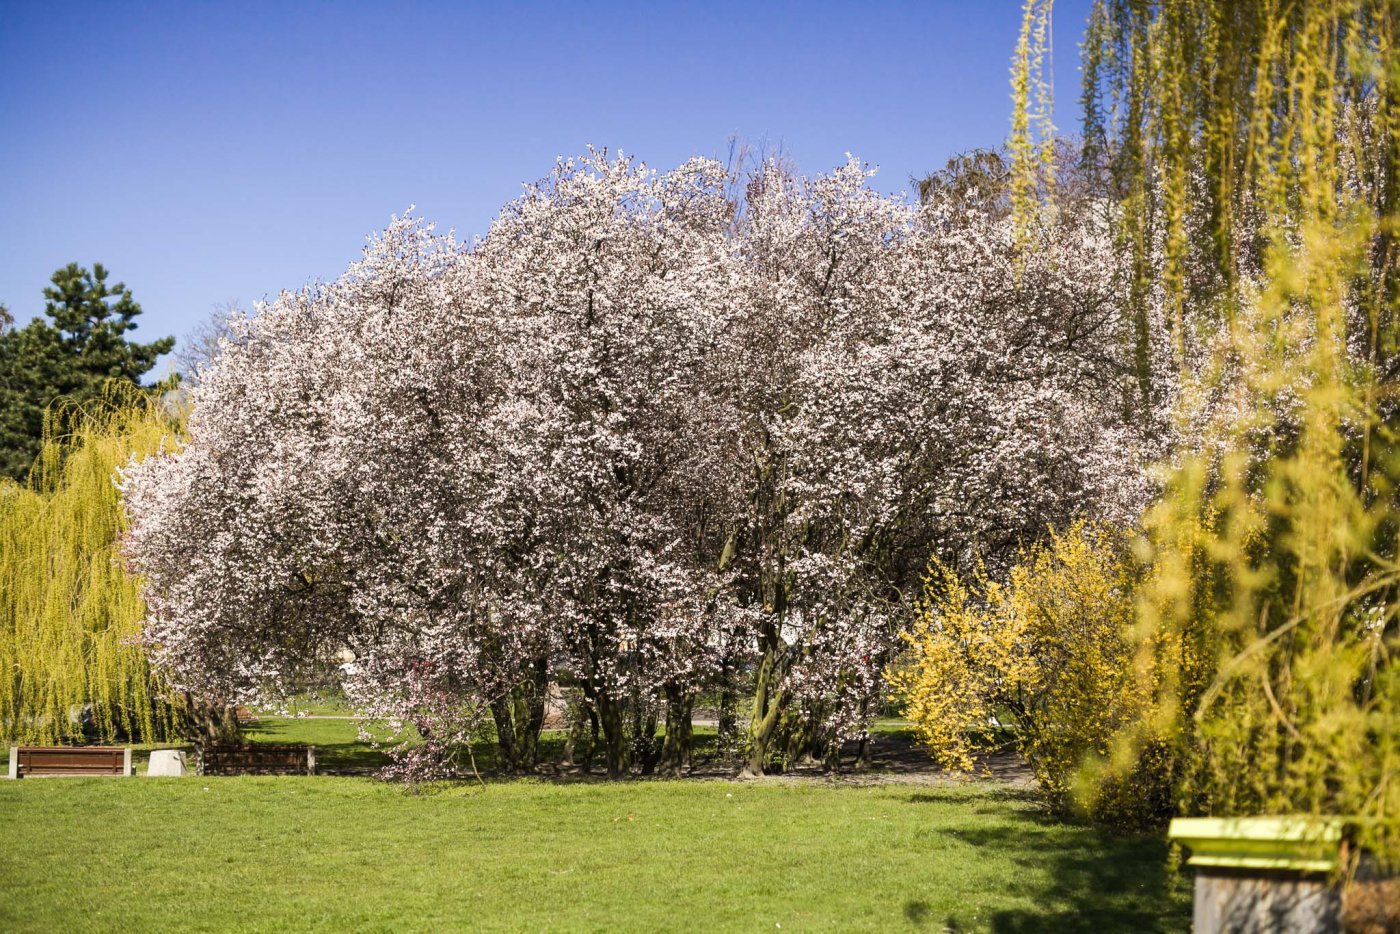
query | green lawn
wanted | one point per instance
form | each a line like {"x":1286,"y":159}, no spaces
{"x":336,"y":854}
{"x":338,"y":747}
{"x":337,"y":742}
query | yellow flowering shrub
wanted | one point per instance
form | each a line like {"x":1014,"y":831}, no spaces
{"x":1048,"y":654}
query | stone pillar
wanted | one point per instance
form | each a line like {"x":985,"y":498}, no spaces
{"x":1246,"y":902}
{"x":1263,"y":874}
{"x":128,"y":769}
{"x":166,"y":762}
{"x":14,"y":762}
{"x":310,"y":760}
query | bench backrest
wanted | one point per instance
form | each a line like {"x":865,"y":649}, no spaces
{"x":70,"y":760}
{"x":257,"y":760}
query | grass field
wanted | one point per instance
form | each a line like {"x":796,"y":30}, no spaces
{"x":338,"y":854}
{"x":351,"y":853}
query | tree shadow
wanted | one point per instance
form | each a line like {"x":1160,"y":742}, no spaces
{"x":995,"y":798}
{"x":892,"y":755}
{"x":1099,"y":881}
{"x":917,"y":911}
{"x":350,"y":757}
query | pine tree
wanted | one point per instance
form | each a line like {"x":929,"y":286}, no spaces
{"x":69,"y":355}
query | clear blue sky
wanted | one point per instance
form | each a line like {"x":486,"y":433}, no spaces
{"x":214,"y":152}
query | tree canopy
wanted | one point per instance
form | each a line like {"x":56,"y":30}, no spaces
{"x":644,"y":432}
{"x":68,"y":355}
{"x":70,"y":614}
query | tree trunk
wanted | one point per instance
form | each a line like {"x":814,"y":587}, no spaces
{"x":501,"y":711}
{"x":519,"y":719}
{"x":727,"y":739}
{"x":863,"y":750}
{"x":675,"y":754}
{"x":610,"y":714}
{"x":645,"y":748}
{"x":768,"y":701}
{"x":829,"y":752}
{"x":804,"y":737}
{"x":529,"y":714}
{"x":594,"y":727}
{"x":206,"y":721}
{"x":578,"y":713}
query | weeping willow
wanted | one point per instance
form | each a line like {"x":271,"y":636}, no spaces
{"x":69,"y":614}
{"x":1031,"y":143}
{"x":1249,"y":149}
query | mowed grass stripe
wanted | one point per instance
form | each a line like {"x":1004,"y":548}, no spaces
{"x":294,"y":854}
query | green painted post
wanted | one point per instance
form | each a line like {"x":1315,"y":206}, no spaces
{"x":1257,"y":874}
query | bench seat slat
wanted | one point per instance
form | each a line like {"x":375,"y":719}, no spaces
{"x":257,"y":760}
{"x":70,"y":760}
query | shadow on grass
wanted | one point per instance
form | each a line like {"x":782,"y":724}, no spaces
{"x":350,"y":757}
{"x":1066,"y":876}
{"x":893,"y":753}
{"x":1098,"y":881}
{"x":1026,"y":796}
{"x":917,"y":912}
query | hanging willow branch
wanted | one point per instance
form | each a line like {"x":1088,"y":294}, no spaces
{"x":69,"y":613}
{"x":1032,"y":126}
{"x":1250,"y":153}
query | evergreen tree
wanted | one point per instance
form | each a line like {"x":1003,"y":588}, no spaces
{"x":67,"y":356}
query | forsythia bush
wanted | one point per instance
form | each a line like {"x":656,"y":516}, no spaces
{"x":1049,"y":653}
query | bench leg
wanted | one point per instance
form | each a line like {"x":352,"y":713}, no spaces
{"x":127,"y":769}
{"x":14,"y":762}
{"x":310,"y":760}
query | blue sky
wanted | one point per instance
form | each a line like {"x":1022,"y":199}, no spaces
{"x":217,"y":152}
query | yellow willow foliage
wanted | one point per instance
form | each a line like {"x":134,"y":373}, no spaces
{"x":1278,"y":565}
{"x":1032,"y":126}
{"x":1267,"y":621}
{"x":69,"y":613}
{"x":1048,"y":653}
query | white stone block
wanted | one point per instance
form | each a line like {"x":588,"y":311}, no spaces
{"x":166,"y":762}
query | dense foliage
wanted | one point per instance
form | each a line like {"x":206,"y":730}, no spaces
{"x":1254,"y":149}
{"x":1247,"y":154}
{"x":69,"y":614}
{"x":67,"y":358}
{"x":1047,"y":657}
{"x":1242,"y":661}
{"x":652,"y":434}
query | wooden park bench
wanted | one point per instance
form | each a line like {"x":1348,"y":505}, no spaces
{"x":257,"y":760}
{"x":27,"y":761}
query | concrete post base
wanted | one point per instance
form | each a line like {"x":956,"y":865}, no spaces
{"x":166,"y":762}
{"x":1250,"y":902}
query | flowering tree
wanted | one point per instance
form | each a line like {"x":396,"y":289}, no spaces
{"x":344,"y":491}
{"x":622,"y":282}
{"x":923,"y":383}
{"x":640,"y":427}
